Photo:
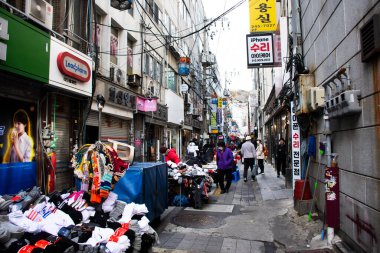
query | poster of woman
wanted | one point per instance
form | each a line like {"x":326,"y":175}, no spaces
{"x":20,"y":145}
{"x":16,"y":137}
{"x":18,"y":166}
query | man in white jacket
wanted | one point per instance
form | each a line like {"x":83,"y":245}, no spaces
{"x":248,"y":153}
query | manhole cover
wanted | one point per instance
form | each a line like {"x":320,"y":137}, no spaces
{"x":200,"y":220}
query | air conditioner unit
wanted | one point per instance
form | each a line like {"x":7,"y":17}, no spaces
{"x":41,"y":11}
{"x":316,"y":98}
{"x":152,"y":91}
{"x":305,"y":82}
{"x":117,"y":75}
{"x":134,"y":80}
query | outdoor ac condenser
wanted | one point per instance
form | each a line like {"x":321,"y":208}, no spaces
{"x":41,"y":11}
{"x":305,"y":82}
{"x":316,"y":98}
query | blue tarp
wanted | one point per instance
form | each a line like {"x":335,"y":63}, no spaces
{"x":17,"y":176}
{"x":145,"y":183}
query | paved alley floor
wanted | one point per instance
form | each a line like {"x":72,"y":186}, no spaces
{"x":252,"y":217}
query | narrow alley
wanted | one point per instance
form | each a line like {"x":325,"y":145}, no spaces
{"x":252,"y":217}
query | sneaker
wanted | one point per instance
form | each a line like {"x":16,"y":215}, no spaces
{"x":278,"y":175}
{"x":245,"y":179}
{"x":253,"y":179}
{"x":222,"y":191}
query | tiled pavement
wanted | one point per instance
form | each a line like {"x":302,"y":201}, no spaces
{"x":243,"y":194}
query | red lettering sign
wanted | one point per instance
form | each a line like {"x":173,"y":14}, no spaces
{"x":70,"y":65}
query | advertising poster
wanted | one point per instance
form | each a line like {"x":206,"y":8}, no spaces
{"x":17,"y":145}
{"x":260,"y":50}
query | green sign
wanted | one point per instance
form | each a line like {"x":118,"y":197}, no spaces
{"x":25,"y":48}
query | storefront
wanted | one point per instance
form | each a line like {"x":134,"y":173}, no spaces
{"x":116,"y":116}
{"x":23,"y":76}
{"x":47,"y":83}
{"x":70,"y":85}
{"x":152,"y":135}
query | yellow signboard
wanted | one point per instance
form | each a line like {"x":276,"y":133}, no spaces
{"x":220,"y":102}
{"x":262,"y":15}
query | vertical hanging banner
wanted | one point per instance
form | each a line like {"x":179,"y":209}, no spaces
{"x":262,"y":16}
{"x":296,"y":145}
{"x":219,"y":112}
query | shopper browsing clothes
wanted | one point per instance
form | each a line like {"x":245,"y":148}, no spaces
{"x":260,"y":155}
{"x":281,"y":157}
{"x":224,"y":161}
{"x":248,"y":153}
{"x":170,"y":155}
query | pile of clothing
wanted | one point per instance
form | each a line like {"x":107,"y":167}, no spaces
{"x":187,"y":182}
{"x":181,"y":170}
{"x":70,"y":222}
{"x":98,"y":167}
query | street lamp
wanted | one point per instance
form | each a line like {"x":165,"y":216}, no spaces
{"x":100,"y":101}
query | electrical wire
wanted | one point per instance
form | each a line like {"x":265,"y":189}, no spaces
{"x":175,"y":39}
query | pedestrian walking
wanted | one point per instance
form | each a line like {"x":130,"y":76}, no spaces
{"x":281,"y":157}
{"x":225,"y":163}
{"x":248,"y":152}
{"x":260,"y":155}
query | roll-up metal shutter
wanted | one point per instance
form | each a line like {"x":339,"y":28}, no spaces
{"x":93,"y":119}
{"x":115,"y":128}
{"x":112,"y":127}
{"x":64,"y":174}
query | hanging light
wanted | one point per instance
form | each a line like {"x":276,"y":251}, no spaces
{"x":121,"y":5}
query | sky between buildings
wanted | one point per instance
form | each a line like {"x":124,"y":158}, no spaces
{"x":228,"y":43}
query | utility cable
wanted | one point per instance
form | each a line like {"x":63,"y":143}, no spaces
{"x":187,"y":35}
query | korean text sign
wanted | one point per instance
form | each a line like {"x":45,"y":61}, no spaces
{"x":260,"y":50}
{"x":146,"y":105}
{"x":262,"y":16}
{"x":296,"y":145}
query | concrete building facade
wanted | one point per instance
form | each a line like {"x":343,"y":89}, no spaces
{"x":331,"y":35}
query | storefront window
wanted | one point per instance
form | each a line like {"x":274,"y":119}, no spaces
{"x":172,"y":80}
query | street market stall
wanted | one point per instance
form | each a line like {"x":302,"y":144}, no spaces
{"x":90,"y":219}
{"x":188,"y":185}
